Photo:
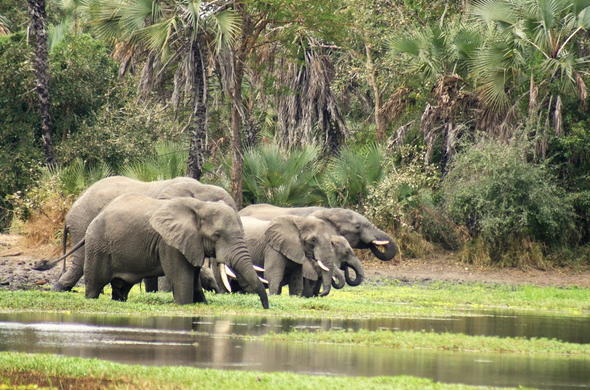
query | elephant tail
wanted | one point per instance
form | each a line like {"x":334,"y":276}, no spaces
{"x":45,"y":264}
{"x":64,"y":242}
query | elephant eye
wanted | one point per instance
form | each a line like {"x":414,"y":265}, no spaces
{"x":357,"y":226}
{"x":216,"y":236}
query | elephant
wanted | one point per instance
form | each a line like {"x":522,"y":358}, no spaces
{"x":344,"y":258}
{"x":101,"y":193}
{"x":136,"y":237}
{"x":285,"y":246}
{"x":358,"y":230}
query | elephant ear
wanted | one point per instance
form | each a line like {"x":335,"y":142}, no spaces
{"x":309,"y":271}
{"x":178,"y":224}
{"x":282,"y":235}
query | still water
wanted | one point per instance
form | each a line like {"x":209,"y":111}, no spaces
{"x":207,"y":342}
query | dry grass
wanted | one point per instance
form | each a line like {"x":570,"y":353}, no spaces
{"x":43,"y":228}
{"x":45,"y":381}
{"x":520,"y":252}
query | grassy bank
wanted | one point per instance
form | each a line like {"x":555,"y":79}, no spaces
{"x":367,"y":301}
{"x":77,"y":373}
{"x":408,"y":340}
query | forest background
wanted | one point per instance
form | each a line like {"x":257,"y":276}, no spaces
{"x":458,"y":126}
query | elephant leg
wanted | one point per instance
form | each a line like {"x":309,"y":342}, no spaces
{"x":151,"y":284}
{"x":97,"y":272}
{"x":296,"y":283}
{"x":121,"y":289}
{"x":164,"y":284}
{"x":317,"y":287}
{"x":274,"y":270}
{"x":180,"y":273}
{"x":308,"y":286}
{"x":198,"y":295}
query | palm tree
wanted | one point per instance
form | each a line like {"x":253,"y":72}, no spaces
{"x":38,"y":33}
{"x":532,"y":47}
{"x":178,"y":35}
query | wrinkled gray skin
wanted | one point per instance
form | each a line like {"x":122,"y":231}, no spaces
{"x":136,"y":237}
{"x":206,"y":276}
{"x":344,"y":258}
{"x":285,"y":245}
{"x":101,"y":193}
{"x":358,"y":230}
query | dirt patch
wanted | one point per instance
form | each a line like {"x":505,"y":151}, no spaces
{"x":16,"y":262}
{"x":26,"y":378}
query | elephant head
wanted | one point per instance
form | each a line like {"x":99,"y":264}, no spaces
{"x":358,"y":231}
{"x":208,"y":229}
{"x":344,"y":259}
{"x":305,"y":241}
{"x":191,"y":188}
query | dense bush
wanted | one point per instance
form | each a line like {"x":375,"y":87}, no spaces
{"x":504,"y":200}
{"x":404,"y":202}
{"x":282,"y":177}
{"x":349,"y":175}
{"x":83,"y":78}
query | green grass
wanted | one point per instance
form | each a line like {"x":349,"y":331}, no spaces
{"x":18,"y":368}
{"x":367,"y":301}
{"x":408,"y":340}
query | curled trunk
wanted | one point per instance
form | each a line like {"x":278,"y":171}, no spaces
{"x":338,"y":280}
{"x":359,"y":273}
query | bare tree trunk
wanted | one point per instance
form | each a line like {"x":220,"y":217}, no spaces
{"x":372,"y":79}
{"x":236,"y":124}
{"x":196,"y":154}
{"x":38,"y":34}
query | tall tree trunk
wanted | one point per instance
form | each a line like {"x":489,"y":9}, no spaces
{"x":38,"y":33}
{"x":236,"y":124}
{"x":196,"y":154}
{"x":372,"y":79}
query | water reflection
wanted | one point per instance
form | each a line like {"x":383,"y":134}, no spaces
{"x":208,"y":342}
{"x":571,"y":329}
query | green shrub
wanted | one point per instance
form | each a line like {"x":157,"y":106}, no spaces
{"x":348,"y":176}
{"x":168,"y":161}
{"x":404,"y":202}
{"x":281,"y":177}
{"x":505,"y":200}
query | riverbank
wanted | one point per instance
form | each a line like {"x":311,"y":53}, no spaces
{"x":81,"y":374}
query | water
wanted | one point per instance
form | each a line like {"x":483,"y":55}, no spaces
{"x":206,"y":342}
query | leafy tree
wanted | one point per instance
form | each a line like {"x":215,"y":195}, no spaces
{"x":178,"y":34}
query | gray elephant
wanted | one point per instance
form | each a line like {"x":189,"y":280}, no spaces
{"x":206,"y":277}
{"x":101,"y":193}
{"x":344,"y":259}
{"x":136,"y":237}
{"x":357,"y":229}
{"x":283,"y":246}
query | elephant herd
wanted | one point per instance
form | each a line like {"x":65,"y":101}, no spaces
{"x":126,"y":231}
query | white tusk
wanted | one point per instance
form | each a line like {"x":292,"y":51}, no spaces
{"x":258,"y":269}
{"x":206,"y":263}
{"x":230,"y":272}
{"x":224,"y":277}
{"x":263,"y":280}
{"x":322,"y":266}
{"x":376,"y":242}
{"x":335,"y":279}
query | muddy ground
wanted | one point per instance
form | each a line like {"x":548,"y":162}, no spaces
{"x":16,"y":261}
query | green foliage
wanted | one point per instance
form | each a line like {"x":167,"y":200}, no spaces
{"x":169,"y":161}
{"x":404,"y":201}
{"x":502,"y":198}
{"x":281,"y":177}
{"x":348,"y":176}
{"x":83,"y":79}
{"x":120,"y":136}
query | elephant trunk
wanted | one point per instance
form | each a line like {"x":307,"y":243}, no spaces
{"x":382,"y":246}
{"x":338,"y":280}
{"x":238,"y":258}
{"x":326,"y":283}
{"x":357,"y":267}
